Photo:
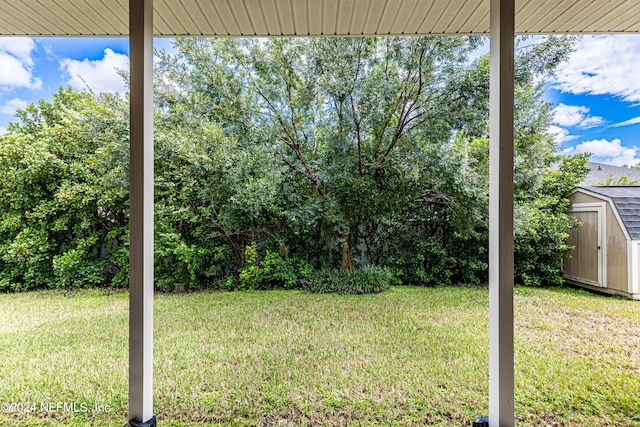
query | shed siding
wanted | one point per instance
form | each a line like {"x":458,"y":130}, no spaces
{"x":584,"y":198}
{"x":584,"y":258}
{"x":617,"y":273}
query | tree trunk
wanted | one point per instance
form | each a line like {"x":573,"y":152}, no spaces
{"x":346,"y":256}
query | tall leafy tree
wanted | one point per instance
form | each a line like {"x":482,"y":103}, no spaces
{"x":351,"y":118}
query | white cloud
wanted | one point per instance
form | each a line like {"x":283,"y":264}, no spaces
{"x":605,"y":151}
{"x":17,"y":63}
{"x":99,"y":75}
{"x":48,"y":50}
{"x":575,"y":116}
{"x":629,"y":122}
{"x":18,"y":47}
{"x":591,"y":122}
{"x":569,"y":115}
{"x":601,"y":147}
{"x":560,"y":134}
{"x":3,"y":130}
{"x":9,"y":108}
{"x":603,"y":65}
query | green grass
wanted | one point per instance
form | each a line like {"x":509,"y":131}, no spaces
{"x":409,"y":356}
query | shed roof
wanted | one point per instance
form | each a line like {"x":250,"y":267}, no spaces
{"x":315,"y":17}
{"x":627,"y":202}
{"x":601,"y":172}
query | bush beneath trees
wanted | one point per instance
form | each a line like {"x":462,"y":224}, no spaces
{"x":364,"y":280}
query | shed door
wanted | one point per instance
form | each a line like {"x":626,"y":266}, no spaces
{"x":587,"y":259}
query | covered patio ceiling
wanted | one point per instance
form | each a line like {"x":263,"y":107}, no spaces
{"x":314,"y":17}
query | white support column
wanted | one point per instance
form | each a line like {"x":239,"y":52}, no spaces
{"x":501,"y":366}
{"x":141,"y":216}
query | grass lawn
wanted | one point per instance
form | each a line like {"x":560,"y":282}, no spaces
{"x":409,"y":356}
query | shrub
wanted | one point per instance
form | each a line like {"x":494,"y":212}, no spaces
{"x":248,"y":278}
{"x":278,"y":272}
{"x":541,"y":244}
{"x":365,"y":280}
{"x":429,"y":264}
{"x":176,"y":261}
{"x":75,"y":269}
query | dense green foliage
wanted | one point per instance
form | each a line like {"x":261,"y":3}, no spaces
{"x":63,"y":194}
{"x":276,"y":158}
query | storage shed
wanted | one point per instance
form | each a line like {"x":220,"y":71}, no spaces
{"x":606,"y":253}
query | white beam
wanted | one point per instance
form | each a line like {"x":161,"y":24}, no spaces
{"x":633,"y":262}
{"x":501,"y":367}
{"x":141,"y":213}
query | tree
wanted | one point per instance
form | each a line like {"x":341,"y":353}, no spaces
{"x":63,"y":193}
{"x":349,"y":117}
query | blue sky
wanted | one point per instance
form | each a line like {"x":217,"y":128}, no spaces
{"x":596,"y":94}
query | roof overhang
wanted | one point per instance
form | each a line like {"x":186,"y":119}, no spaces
{"x":174,"y":18}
